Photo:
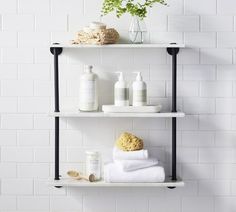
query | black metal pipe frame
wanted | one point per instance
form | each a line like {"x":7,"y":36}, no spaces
{"x":56,"y":52}
{"x":173,"y":52}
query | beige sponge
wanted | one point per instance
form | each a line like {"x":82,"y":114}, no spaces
{"x":129,"y":142}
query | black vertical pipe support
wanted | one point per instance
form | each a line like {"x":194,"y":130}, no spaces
{"x":173,"y":51}
{"x":56,"y":51}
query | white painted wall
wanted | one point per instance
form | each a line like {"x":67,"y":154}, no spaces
{"x":207,"y":90}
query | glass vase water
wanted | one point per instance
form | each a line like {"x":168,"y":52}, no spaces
{"x":137,"y":30}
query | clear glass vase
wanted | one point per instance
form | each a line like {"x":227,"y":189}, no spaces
{"x":137,"y":30}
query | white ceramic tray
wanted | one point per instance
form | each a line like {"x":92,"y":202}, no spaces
{"x":131,"y":109}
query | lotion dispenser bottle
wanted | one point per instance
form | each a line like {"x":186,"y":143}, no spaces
{"x":139,"y":91}
{"x":88,"y":90}
{"x":121,"y":91}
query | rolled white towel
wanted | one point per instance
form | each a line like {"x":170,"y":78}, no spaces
{"x":131,"y":155}
{"x":114,"y":174}
{"x":131,"y":165}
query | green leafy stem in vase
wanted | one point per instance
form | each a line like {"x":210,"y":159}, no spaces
{"x":134,"y":7}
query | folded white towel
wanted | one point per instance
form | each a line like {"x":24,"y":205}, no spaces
{"x":114,"y":174}
{"x":131,"y":165}
{"x":131,"y":155}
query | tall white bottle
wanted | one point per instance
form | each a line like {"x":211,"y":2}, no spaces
{"x":139,"y":91}
{"x":121,"y":91}
{"x":88,"y":90}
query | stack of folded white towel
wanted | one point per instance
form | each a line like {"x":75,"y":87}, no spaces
{"x":133,"y":166}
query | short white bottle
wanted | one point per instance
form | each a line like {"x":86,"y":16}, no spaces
{"x":88,"y":97}
{"x":93,"y":164}
{"x":121,"y":91}
{"x":139,"y":91}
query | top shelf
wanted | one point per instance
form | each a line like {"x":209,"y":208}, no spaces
{"x":154,"y":45}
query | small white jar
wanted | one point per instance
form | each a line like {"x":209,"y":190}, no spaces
{"x":93,"y":164}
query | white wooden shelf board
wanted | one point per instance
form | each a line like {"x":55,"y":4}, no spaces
{"x":75,"y":183}
{"x":114,"y":115}
{"x":154,"y":45}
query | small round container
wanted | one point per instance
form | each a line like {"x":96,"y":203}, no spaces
{"x":93,"y":164}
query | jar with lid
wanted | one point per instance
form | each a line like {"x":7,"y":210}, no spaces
{"x":93,"y":164}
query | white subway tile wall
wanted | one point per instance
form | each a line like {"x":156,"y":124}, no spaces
{"x":206,"y":92}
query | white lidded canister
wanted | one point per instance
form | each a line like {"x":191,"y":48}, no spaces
{"x":88,"y":97}
{"x":93,"y":164}
{"x":139,"y":91}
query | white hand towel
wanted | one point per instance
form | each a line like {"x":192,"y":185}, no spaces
{"x":114,"y":174}
{"x":131,"y":155}
{"x":131,"y":165}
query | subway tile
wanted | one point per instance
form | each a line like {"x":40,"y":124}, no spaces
{"x":215,"y":122}
{"x":216,"y":56}
{"x":216,"y":23}
{"x":67,"y":203}
{"x":102,"y":203}
{"x":197,"y":171}
{"x":13,"y":22}
{"x":8,"y":6}
{"x":17,"y":186}
{"x":171,"y":204}
{"x":34,"y":6}
{"x":17,"y":121}
{"x":8,"y":104}
{"x":201,"y":7}
{"x":226,"y":204}
{"x":8,"y":71}
{"x":216,"y":89}
{"x":27,"y":170}
{"x":33,"y":203}
{"x":34,"y":71}
{"x":33,"y":137}
{"x":226,"y":7}
{"x":214,"y":188}
{"x":8,"y":39}
{"x":20,"y":55}
{"x":8,"y":137}
{"x":203,"y":39}
{"x":226,"y":39}
{"x":8,"y":203}
{"x":33,"y":39}
{"x":7,"y":170}
{"x":68,"y":6}
{"x":34,"y":105}
{"x":226,"y":72}
{"x":225,"y":139}
{"x":199,"y":105}
{"x":197,"y":139}
{"x":225,"y":171}
{"x":196,"y":204}
{"x":16,"y":88}
{"x":49,"y":23}
{"x":19,"y":154}
{"x":216,"y":155}
{"x":183,"y":23}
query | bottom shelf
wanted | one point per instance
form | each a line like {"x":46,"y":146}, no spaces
{"x":75,"y":183}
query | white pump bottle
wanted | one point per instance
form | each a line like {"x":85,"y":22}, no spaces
{"x":121,"y":95}
{"x":139,"y":91}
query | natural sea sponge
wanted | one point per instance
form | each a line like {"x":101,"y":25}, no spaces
{"x":129,"y":142}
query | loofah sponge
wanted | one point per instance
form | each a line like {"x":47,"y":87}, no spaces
{"x":129,"y":142}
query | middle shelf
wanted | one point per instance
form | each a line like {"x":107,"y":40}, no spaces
{"x":71,"y":114}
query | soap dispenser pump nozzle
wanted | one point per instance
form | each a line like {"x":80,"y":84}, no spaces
{"x":121,"y":77}
{"x":139,"y":76}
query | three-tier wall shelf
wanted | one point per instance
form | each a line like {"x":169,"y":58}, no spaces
{"x":171,"y":182}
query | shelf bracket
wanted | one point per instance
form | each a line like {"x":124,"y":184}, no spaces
{"x":56,"y":51}
{"x":173,"y":52}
